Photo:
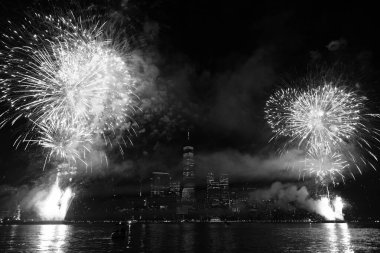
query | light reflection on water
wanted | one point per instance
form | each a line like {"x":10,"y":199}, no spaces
{"x":332,"y":236}
{"x":53,"y":237}
{"x":339,"y":238}
{"x":192,"y":237}
{"x":13,"y":234}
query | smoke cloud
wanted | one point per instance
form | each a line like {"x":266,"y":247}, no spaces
{"x":27,"y":195}
{"x":252,"y":167}
{"x":285,"y":194}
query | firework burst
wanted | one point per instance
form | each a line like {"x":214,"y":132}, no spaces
{"x":326,"y":117}
{"x":64,"y":139}
{"x":329,"y":122}
{"x":69,"y":79}
{"x":324,"y":166}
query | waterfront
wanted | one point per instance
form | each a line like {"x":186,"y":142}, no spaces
{"x":193,"y":237}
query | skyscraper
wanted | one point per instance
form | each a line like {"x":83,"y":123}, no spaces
{"x":218,"y":191}
{"x":175,"y":188}
{"x":159,"y":190}
{"x":160,"y":184}
{"x":213,"y":191}
{"x":188,"y":175}
{"x":224,"y":190}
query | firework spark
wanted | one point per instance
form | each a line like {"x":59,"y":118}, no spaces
{"x":324,"y":166}
{"x":73,"y":82}
{"x":326,"y":116}
{"x":329,"y":122}
{"x":69,"y":79}
{"x":65,"y":140}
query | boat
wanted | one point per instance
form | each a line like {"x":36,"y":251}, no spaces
{"x":131,"y":221}
{"x":215,"y":219}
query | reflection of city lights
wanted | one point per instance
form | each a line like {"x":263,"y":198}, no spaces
{"x":332,"y":237}
{"x":346,"y":237}
{"x":14,"y":232}
{"x":188,"y":237}
{"x":52,"y":238}
{"x":129,"y":241}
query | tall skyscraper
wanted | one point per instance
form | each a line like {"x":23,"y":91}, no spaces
{"x":175,"y":188}
{"x":188,"y":175}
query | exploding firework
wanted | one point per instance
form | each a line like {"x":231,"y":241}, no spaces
{"x":321,"y":117}
{"x":324,"y":166}
{"x":326,"y":117}
{"x":329,"y":122}
{"x":278,"y":111}
{"x":65,"y":140}
{"x":74,"y":82}
{"x":69,"y":79}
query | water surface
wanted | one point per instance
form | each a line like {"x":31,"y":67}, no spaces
{"x":193,"y":237}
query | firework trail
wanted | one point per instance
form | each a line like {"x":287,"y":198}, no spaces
{"x":69,"y":79}
{"x":330,"y":122}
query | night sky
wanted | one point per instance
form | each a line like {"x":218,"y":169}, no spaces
{"x":209,"y":67}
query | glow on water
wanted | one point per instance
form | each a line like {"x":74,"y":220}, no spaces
{"x":52,"y":238}
{"x":339,"y":237}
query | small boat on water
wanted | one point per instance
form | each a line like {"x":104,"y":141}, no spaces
{"x":215,"y":219}
{"x":132,"y":221}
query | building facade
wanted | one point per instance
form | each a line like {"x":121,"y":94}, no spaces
{"x":217,"y":191}
{"x":160,"y":184}
{"x":188,"y":177}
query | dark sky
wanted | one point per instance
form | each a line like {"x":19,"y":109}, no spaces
{"x":210,"y":67}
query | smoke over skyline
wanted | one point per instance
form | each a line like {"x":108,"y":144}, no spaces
{"x":252,"y":167}
{"x":290,"y":195}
